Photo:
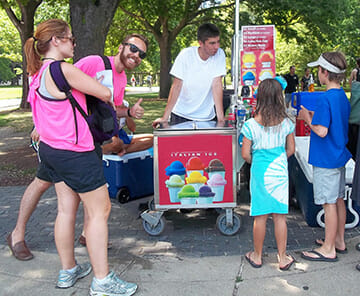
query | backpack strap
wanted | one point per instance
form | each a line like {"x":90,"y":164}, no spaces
{"x":106,"y":61}
{"x":62,"y":84}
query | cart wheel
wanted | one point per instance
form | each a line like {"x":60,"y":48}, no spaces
{"x":154,"y":230}
{"x":320,"y":218}
{"x":225,"y":229}
{"x":123,"y":195}
{"x":151,"y":205}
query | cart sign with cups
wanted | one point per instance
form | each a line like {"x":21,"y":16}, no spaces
{"x":257,"y":54}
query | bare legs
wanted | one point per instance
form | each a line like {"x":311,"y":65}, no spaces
{"x":335,"y":219}
{"x":97,"y":206}
{"x":28,"y":204}
{"x":259,"y":230}
{"x":97,"y":209}
{"x":139,"y":142}
{"x":68,"y":203}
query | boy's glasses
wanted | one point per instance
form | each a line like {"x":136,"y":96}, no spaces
{"x":72,"y":39}
{"x":134,"y":49}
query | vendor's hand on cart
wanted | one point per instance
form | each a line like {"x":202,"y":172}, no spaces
{"x":220,"y":123}
{"x":137,"y":111}
{"x":158,"y":121}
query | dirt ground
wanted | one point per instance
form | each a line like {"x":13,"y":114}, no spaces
{"x":18,"y":161}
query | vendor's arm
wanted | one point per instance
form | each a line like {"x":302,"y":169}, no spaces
{"x":135,"y":111}
{"x":246,"y":150}
{"x":217,"y":90}
{"x":307,"y":116}
{"x":173,"y":97}
{"x":290,"y":145}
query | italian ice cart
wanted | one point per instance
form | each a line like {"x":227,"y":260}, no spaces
{"x":194,"y":168}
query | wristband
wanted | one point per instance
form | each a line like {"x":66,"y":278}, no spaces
{"x":129,"y":113}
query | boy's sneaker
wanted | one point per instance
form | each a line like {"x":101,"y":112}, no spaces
{"x":68,"y":278}
{"x":112,"y":286}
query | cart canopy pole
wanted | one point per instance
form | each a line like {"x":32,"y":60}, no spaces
{"x":236,"y":49}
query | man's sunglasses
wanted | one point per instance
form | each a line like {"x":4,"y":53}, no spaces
{"x":72,"y":39}
{"x":134,"y":49}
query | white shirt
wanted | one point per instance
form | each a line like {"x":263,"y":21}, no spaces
{"x":196,"y":100}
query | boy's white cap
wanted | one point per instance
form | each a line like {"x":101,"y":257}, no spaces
{"x":322,"y":62}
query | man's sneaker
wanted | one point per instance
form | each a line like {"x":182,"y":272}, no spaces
{"x":112,"y":286}
{"x":68,"y":278}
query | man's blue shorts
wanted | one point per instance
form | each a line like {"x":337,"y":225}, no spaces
{"x":124,"y":136}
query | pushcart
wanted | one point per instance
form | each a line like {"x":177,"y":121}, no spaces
{"x":194,"y":168}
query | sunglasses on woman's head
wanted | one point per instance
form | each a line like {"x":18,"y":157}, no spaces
{"x":72,"y":39}
{"x":134,"y":49}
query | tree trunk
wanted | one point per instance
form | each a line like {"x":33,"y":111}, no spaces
{"x":25,"y":27}
{"x":90,"y":22}
{"x":165,"y":65}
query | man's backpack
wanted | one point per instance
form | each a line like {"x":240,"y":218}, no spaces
{"x":101,"y":117}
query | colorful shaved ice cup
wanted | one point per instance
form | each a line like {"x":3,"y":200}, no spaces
{"x":266,"y":60}
{"x":176,"y":168}
{"x":196,"y":179}
{"x":215,"y":167}
{"x":194,"y":164}
{"x":217,"y":184}
{"x":205,"y":195}
{"x":174,"y":185}
{"x":188,"y":195}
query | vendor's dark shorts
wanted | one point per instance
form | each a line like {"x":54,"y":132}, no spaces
{"x":81,"y":171}
{"x":175,"y":119}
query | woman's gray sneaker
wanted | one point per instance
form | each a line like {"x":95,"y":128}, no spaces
{"x":67,"y":278}
{"x":112,"y":286}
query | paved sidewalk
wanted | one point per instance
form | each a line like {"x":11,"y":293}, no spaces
{"x":191,"y":257}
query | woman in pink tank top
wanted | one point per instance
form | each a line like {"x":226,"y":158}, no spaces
{"x":73,"y":165}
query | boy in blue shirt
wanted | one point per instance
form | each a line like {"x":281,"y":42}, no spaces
{"x":328,"y":154}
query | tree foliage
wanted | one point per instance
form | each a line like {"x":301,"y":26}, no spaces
{"x":5,"y":70}
{"x":164,"y":20}
{"x":21,"y":14}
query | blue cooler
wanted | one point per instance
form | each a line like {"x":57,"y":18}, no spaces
{"x":305,"y":98}
{"x":129,"y":176}
{"x":301,"y":177}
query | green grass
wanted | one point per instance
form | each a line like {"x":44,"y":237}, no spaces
{"x":154,"y":108}
{"x":10,"y":92}
{"x":19,"y":119}
{"x":22,"y":121}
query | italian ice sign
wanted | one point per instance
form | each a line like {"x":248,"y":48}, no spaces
{"x":257,"y":56}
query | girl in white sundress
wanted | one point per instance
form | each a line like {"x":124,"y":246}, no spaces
{"x":268,"y":142}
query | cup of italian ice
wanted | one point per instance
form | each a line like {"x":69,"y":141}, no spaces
{"x":176,"y":168}
{"x":188,"y":195}
{"x":196,"y":179}
{"x":215,"y":167}
{"x":205,"y":195}
{"x":174,"y":185}
{"x":194,"y":164}
{"x":217,"y":184}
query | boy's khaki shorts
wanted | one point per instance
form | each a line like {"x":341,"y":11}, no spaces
{"x":329,"y":185}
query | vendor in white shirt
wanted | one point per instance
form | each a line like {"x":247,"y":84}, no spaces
{"x":197,"y":85}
